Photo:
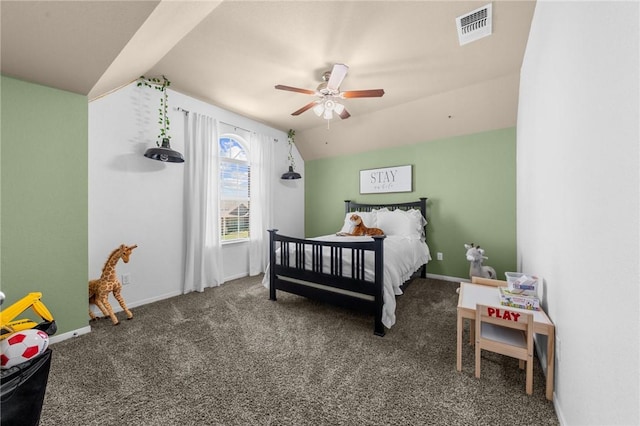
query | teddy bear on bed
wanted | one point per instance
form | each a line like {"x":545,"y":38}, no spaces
{"x":359,"y":228}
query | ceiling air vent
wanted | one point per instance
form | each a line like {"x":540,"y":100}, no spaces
{"x":474,"y":25}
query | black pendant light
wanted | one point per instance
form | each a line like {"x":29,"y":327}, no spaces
{"x":164,"y":153}
{"x":291,"y":174}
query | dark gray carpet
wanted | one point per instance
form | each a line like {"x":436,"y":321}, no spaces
{"x":229,"y":356}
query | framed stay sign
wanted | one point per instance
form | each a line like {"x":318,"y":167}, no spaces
{"x":388,"y":179}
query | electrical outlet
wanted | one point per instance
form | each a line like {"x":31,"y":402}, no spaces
{"x":558,"y":348}
{"x":440,"y":256}
{"x":126,"y":279}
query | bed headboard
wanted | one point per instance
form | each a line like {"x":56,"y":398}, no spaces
{"x":421,"y":204}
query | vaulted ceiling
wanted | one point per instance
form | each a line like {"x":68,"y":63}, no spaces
{"x":233,"y":53}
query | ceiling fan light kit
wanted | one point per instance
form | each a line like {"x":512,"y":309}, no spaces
{"x":327,"y":107}
{"x":318,"y":109}
{"x":329,"y":92}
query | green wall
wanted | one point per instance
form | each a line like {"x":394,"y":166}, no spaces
{"x":44,"y":199}
{"x":470,"y":182}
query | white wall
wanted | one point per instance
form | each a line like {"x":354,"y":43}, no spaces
{"x":578,"y":195}
{"x":135,"y":200}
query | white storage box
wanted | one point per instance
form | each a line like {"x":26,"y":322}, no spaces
{"x":520,"y":281}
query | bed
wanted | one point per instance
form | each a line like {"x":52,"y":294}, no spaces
{"x":364,"y":273}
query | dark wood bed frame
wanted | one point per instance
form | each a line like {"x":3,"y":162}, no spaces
{"x":287,"y":270}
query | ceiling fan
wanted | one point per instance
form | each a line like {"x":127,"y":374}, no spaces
{"x":328,"y":93}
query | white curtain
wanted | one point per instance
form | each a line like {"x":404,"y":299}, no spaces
{"x":260,"y":219}
{"x":203,"y":254}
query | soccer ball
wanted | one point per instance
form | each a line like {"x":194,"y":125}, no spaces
{"x":22,"y":346}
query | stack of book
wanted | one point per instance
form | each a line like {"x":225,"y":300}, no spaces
{"x":522,"y":292}
{"x":523,"y":299}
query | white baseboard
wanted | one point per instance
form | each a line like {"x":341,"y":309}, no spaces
{"x":150,"y":300}
{"x":69,"y":334}
{"x":559,"y":412}
{"x":117,"y":308}
{"x":448,"y":278}
{"x":235,"y":277}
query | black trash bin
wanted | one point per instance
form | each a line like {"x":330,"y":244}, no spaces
{"x":22,"y":391}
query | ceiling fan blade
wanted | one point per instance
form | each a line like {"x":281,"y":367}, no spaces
{"x":304,"y":108}
{"x":373,"y":93}
{"x":344,"y":114}
{"x":338,"y":74}
{"x":295,"y":89}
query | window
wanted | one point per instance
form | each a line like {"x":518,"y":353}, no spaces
{"x":235,"y":201}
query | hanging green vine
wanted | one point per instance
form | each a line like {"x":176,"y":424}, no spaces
{"x":163,"y":111}
{"x":290,"y":137}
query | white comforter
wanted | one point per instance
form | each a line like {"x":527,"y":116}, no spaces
{"x":402,"y":257}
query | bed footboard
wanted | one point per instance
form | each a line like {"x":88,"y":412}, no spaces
{"x":329,"y":271}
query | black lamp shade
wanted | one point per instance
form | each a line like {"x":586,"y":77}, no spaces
{"x":291,"y":174}
{"x":164,"y":153}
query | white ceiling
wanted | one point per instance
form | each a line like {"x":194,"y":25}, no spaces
{"x":233,"y":53}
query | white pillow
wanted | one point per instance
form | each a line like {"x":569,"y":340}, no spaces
{"x":421,"y":222}
{"x":383,"y":209}
{"x":408,"y":224}
{"x":368,"y":218}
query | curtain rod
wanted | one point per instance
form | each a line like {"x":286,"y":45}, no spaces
{"x":222,"y":122}
{"x":235,"y":127}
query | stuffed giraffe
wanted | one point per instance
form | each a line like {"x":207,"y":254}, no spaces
{"x":108,"y":282}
